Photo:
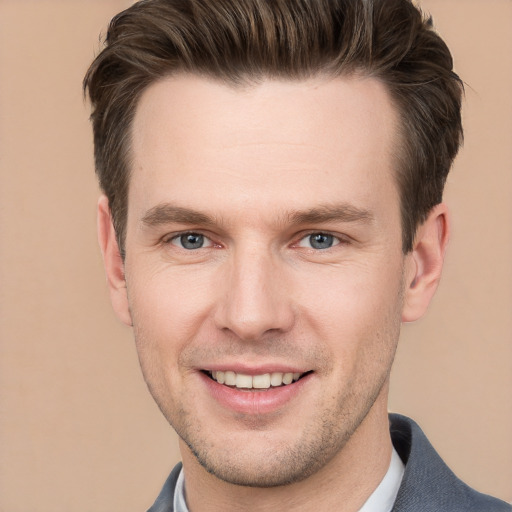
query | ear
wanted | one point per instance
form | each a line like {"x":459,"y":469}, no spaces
{"x":114,"y":266}
{"x":425,"y":263}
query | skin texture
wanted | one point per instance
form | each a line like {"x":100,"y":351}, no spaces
{"x":254,"y":172}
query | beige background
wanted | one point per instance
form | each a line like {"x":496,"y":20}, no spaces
{"x":78,"y":430}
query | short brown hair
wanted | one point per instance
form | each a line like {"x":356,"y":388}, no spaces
{"x":242,"y":41}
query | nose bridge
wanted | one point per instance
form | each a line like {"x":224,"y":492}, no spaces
{"x":256,"y":299}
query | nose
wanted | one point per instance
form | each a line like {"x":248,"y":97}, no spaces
{"x":256,"y":300}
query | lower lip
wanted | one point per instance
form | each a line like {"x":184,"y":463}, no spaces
{"x":255,"y":402}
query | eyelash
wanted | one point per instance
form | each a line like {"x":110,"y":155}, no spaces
{"x":338,"y":240}
{"x":178,"y":236}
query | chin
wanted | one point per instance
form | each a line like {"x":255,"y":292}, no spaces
{"x":285,"y":469}
{"x":270,"y":462}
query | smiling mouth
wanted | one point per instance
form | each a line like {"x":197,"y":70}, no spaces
{"x":260,"y":382}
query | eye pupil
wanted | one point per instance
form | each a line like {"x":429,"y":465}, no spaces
{"x":321,"y":241}
{"x":192,"y":241}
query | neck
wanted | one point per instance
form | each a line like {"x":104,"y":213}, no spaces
{"x":344,"y":483}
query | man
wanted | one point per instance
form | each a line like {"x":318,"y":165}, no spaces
{"x":273,"y":177}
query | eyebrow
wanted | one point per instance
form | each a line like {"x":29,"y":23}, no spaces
{"x":167,"y":213}
{"x":329,"y":213}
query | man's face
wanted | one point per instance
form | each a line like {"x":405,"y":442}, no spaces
{"x":264,"y":245}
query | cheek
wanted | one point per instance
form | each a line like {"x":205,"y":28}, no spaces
{"x":168,"y":310}
{"x":355,"y":288}
{"x":357,"y":309}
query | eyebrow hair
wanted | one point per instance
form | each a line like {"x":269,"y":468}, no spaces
{"x":167,"y":213}
{"x":328,"y":213}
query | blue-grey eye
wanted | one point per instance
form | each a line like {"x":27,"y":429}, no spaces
{"x":319,"y":241}
{"x":190,"y":241}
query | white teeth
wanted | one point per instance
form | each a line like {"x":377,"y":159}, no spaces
{"x":243,"y":381}
{"x":287,"y":378}
{"x":276,"y":379}
{"x":263,"y":381}
{"x":229,"y":378}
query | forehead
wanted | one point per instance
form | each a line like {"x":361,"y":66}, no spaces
{"x":324,"y":139}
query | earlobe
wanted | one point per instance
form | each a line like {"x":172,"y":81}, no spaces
{"x":114,"y":266}
{"x":425,"y":263}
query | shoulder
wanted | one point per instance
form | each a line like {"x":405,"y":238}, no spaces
{"x":165,"y":500}
{"x":428,"y":484}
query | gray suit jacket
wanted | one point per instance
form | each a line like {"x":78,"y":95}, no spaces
{"x":428,"y":484}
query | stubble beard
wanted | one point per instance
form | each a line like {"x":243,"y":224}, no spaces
{"x":318,"y":445}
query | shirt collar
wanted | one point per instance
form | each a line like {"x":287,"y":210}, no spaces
{"x":381,"y":500}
